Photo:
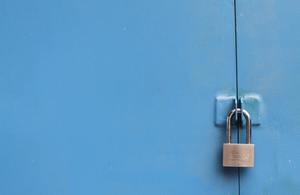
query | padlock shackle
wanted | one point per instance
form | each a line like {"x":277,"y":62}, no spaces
{"x":248,"y":124}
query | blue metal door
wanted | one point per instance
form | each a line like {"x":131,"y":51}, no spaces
{"x":268,"y":37}
{"x":116,"y":97}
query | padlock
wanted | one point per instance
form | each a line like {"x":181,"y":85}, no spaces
{"x":236,"y":154}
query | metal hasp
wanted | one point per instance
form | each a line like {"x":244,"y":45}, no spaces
{"x":224,"y":103}
{"x":236,"y":154}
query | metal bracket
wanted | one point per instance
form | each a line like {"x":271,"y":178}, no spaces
{"x":224,"y":103}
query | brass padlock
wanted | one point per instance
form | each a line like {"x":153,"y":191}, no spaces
{"x":236,"y":154}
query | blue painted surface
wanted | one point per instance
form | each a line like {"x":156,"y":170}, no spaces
{"x":253,"y":103}
{"x":269,"y":40}
{"x":224,"y":103}
{"x":116,"y":97}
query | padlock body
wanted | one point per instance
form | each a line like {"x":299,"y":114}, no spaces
{"x":238,"y":155}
